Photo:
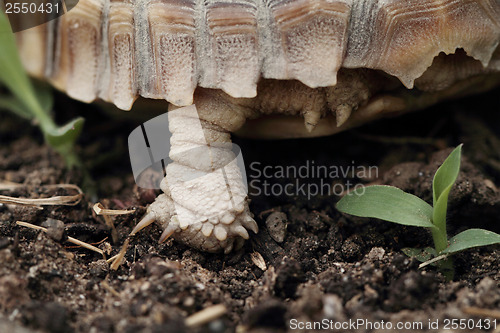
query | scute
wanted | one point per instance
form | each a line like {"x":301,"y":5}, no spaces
{"x":232,"y":47}
{"x":121,"y":90}
{"x":313,"y":39}
{"x":403,"y":37}
{"x":164,"y":49}
{"x":173,"y":38}
{"x":80,"y":50}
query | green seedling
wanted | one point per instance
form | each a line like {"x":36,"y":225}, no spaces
{"x":393,"y":205}
{"x":33,"y":102}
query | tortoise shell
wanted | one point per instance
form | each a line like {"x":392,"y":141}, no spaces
{"x":164,"y":49}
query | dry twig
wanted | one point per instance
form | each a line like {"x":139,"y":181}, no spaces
{"x":112,"y":290}
{"x":66,"y":200}
{"x":70,"y":239}
{"x":480,"y":312}
{"x":206,"y":315}
{"x":99,"y":209}
{"x":119,"y":258}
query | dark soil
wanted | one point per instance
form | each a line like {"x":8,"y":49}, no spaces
{"x":320,"y":264}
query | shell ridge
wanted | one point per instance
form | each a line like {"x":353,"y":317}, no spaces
{"x":205,"y":62}
{"x":104,"y":61}
{"x":145,"y":73}
{"x":273,"y":61}
{"x":360,"y":30}
{"x":51,"y":51}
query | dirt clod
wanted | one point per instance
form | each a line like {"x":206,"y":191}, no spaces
{"x":276,"y":224}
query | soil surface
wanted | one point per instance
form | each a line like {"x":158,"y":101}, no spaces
{"x":319,"y":263}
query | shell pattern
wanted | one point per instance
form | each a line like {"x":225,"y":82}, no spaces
{"x":164,"y":49}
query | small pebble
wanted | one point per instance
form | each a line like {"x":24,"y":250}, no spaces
{"x":276,"y":224}
{"x":99,"y":268}
{"x":55,"y":229}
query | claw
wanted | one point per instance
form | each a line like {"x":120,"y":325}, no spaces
{"x":169,"y":230}
{"x":228,"y":248}
{"x":146,"y":220}
{"x":250,"y":223}
{"x":311,"y":119}
{"x":342,"y":114}
{"x":241,"y":231}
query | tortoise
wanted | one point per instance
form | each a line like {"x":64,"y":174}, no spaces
{"x":305,"y":67}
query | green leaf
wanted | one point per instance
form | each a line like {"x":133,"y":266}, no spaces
{"x":387,"y":203}
{"x":472,"y":238}
{"x":443,"y":181}
{"x":62,"y":139}
{"x":15,"y":105}
{"x":421,"y":255}
{"x":44,"y":96}
{"x":66,"y":134}
{"x":33,"y":101}
{"x":447,"y":173}
{"x":13,"y":76}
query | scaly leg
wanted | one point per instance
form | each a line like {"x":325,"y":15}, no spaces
{"x":205,"y":202}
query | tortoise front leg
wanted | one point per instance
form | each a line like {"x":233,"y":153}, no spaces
{"x":205,"y":201}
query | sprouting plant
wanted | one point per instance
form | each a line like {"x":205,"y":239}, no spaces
{"x":393,"y":205}
{"x":33,"y":102}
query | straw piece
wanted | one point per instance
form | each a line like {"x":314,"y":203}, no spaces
{"x":433,"y":260}
{"x":9,"y":186}
{"x":110,"y":260}
{"x":480,"y":312}
{"x":70,"y":239}
{"x":112,"y":290}
{"x":66,"y":200}
{"x":100,"y":210}
{"x":120,"y":256}
{"x":258,"y":260}
{"x":206,"y":315}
